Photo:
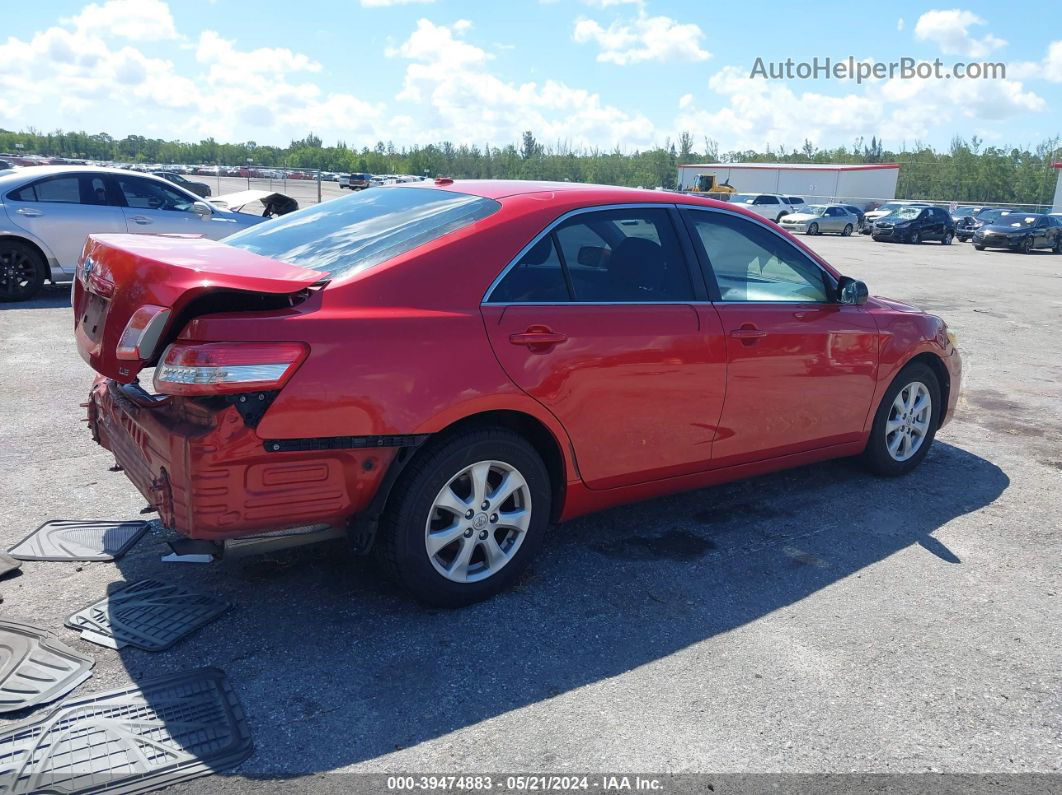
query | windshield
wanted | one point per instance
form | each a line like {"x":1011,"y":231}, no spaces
{"x":988,"y":216}
{"x":1021,"y":220}
{"x":814,"y":209}
{"x":354,"y":233}
{"x":743,"y":198}
{"x":906,"y":213}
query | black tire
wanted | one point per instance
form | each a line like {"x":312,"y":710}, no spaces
{"x":876,"y":456}
{"x":1057,"y":248}
{"x":813,"y":229}
{"x":947,"y":239}
{"x":979,"y":247}
{"x":400,"y":544}
{"x":22,"y":271}
{"x":778,"y":220}
{"x":917,"y":239}
{"x":847,"y":230}
{"x":1026,"y":245}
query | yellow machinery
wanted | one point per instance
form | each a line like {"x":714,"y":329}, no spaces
{"x":708,"y":185}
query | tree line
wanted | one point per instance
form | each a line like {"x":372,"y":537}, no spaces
{"x":968,"y":171}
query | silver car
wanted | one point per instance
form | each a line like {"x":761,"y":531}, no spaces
{"x":818,"y":218}
{"x":46,"y":212}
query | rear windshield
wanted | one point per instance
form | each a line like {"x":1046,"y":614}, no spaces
{"x":348,"y":235}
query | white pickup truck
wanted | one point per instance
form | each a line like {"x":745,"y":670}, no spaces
{"x":772,"y":206}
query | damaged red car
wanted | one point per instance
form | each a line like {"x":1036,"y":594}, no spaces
{"x":442,"y":370}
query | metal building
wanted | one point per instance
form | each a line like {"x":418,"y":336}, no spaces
{"x":814,"y":182}
{"x":1056,"y":205}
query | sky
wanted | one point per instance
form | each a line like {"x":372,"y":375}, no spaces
{"x":586,"y":73}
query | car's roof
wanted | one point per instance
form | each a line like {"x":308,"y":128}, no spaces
{"x":505,"y":188}
{"x":35,"y":172}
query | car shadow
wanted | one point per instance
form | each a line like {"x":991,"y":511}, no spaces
{"x":51,"y":296}
{"x":334,"y":666}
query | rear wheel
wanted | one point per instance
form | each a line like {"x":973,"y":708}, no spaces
{"x":947,"y":239}
{"x":846,"y":231}
{"x":905,"y":423}
{"x":22,"y":271}
{"x":466,"y":517}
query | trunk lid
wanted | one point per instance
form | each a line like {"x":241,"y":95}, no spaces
{"x":168,"y":275}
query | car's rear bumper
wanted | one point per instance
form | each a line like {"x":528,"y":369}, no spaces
{"x":209,"y":476}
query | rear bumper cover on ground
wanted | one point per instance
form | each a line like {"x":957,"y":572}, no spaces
{"x":210,"y":476}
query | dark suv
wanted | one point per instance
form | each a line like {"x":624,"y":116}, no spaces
{"x":358,"y":181}
{"x":915,"y":224}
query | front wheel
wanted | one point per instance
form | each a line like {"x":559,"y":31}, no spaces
{"x":979,"y":247}
{"x":846,"y":231}
{"x":1057,"y":248}
{"x":22,"y":271}
{"x":1026,"y":246}
{"x":906,"y":422}
{"x":813,"y":229}
{"x":466,"y":517}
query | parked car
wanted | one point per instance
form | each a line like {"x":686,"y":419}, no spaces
{"x":861,"y":219}
{"x":358,"y":181}
{"x":46,"y":213}
{"x":870,"y":216}
{"x":913,"y":224}
{"x":815,"y":219}
{"x":772,"y":206}
{"x":200,"y":189}
{"x":1022,"y":232}
{"x":984,"y":217}
{"x":648,"y":336}
{"x":796,"y":202}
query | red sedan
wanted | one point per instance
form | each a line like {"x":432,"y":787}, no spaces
{"x":446,"y":368}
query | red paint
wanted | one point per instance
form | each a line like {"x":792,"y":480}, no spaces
{"x":641,"y":400}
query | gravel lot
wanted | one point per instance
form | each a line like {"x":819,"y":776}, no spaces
{"x":810,"y":621}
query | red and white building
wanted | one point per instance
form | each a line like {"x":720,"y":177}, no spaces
{"x":814,"y":182}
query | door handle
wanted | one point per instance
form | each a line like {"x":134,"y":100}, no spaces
{"x":538,"y":336}
{"x":141,"y":219}
{"x":29,"y":212}
{"x":748,"y":333}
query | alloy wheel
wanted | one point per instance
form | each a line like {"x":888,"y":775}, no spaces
{"x":478,"y":521}
{"x":17,"y":272}
{"x":908,"y":422}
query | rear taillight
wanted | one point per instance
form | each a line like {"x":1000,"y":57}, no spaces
{"x":142,"y":333}
{"x":224,"y":368}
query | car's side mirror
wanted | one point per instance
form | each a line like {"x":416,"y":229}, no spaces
{"x":852,"y":291}
{"x":202,"y":209}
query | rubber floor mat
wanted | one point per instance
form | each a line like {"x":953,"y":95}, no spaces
{"x":36,"y":667}
{"x":70,"y":539}
{"x":135,"y":739}
{"x":147,"y":614}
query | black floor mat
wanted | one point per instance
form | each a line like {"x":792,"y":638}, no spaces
{"x":148,"y":614}
{"x":136,"y":739}
{"x":36,"y":667}
{"x":70,"y":539}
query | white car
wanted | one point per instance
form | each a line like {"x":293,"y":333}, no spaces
{"x":47,"y":212}
{"x":772,"y":206}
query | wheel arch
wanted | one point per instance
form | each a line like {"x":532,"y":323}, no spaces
{"x":940,"y":370}
{"x":531,"y":428}
{"x":45,"y":259}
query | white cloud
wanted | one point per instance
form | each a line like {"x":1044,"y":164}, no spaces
{"x":759,"y":112}
{"x":949,"y":30}
{"x":644,"y":38}
{"x":685,"y":100}
{"x":94,"y":60}
{"x":452,"y":94}
{"x":899,"y":23}
{"x":141,"y":20}
{"x":1050,"y":68}
{"x":387,"y":3}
